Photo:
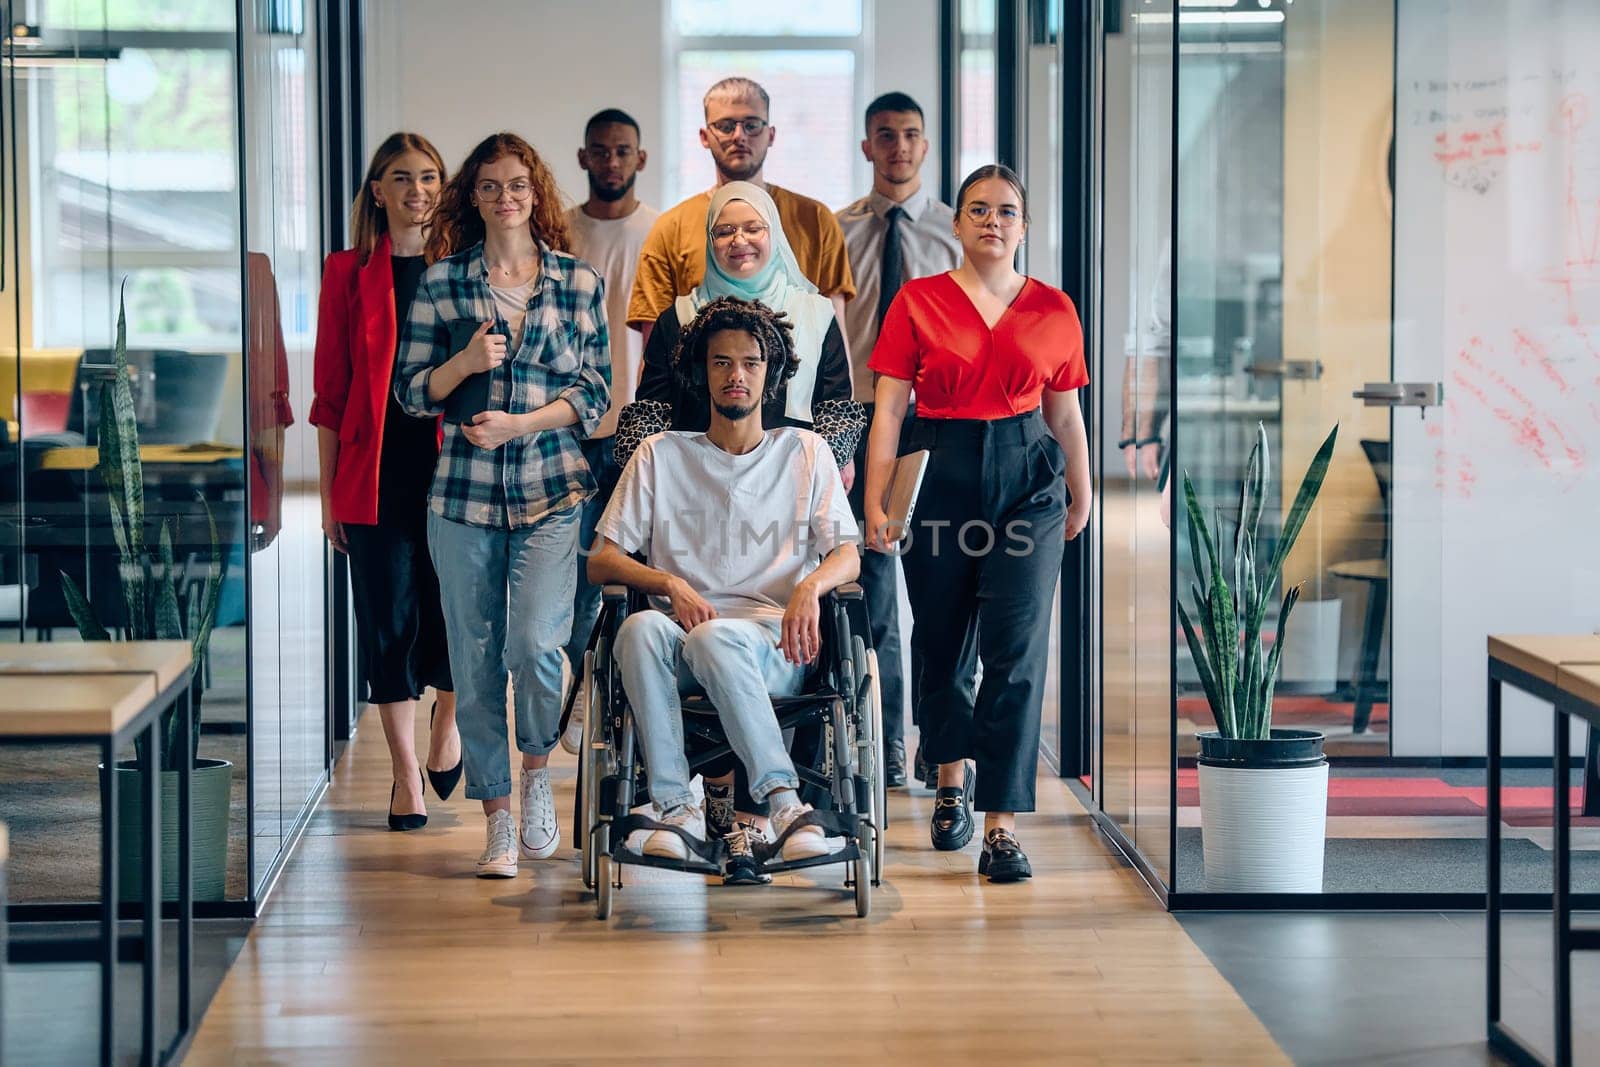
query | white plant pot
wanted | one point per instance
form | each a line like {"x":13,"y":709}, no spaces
{"x":1263,"y":813}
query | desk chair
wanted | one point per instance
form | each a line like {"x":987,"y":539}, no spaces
{"x":1375,"y":574}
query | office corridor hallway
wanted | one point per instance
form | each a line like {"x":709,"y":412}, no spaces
{"x":382,"y":947}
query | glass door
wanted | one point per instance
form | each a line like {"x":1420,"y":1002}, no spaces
{"x":1386,"y":222}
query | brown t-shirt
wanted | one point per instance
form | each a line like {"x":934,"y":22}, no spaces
{"x":673,"y":260}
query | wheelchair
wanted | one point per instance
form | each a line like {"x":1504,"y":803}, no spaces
{"x":840,"y":696}
{"x":839,"y":700}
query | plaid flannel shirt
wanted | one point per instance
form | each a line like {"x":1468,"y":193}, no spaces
{"x":564,"y":354}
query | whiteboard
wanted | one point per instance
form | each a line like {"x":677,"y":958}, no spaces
{"x":1497,"y":295}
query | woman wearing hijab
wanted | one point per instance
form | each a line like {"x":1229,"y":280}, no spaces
{"x":748,"y":256}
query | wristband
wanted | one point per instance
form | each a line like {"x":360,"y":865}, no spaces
{"x":1126,"y":441}
{"x":1147,"y":441}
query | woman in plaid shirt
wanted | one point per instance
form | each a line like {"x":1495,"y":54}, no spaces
{"x":507,"y":338}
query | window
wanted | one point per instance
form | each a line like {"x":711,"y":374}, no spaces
{"x":809,"y":58}
{"x":134,"y":163}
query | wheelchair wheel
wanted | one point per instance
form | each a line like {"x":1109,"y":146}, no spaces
{"x":863,"y":876}
{"x":604,"y":874}
{"x":880,"y":789}
{"x":589,"y":767}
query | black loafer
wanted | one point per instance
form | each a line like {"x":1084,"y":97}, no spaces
{"x":894,"y":764}
{"x":1003,"y":859}
{"x":951,"y":825}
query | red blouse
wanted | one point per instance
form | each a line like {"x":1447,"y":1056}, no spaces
{"x":933,"y":337}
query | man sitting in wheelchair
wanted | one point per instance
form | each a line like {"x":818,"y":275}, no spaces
{"x":743,"y":530}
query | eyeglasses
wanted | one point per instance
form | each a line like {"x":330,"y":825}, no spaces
{"x":1006,"y":216}
{"x":726,"y":127}
{"x":520,"y":189}
{"x":751,"y":230}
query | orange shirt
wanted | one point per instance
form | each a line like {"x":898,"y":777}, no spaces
{"x":673,"y":260}
{"x":934,"y":338}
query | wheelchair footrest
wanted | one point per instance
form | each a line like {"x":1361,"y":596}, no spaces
{"x":710,"y":852}
{"x":620,"y":853}
{"x":778,"y":865}
{"x":831,"y":823}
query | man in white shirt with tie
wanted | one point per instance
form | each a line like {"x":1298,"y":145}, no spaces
{"x":897,"y":232}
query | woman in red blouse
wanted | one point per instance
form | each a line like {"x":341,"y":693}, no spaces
{"x":996,"y":360}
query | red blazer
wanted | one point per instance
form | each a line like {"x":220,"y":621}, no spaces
{"x":356,"y":336}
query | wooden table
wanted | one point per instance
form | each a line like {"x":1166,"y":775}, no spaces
{"x":1565,"y":671}
{"x":113,"y":693}
{"x":83,"y":458}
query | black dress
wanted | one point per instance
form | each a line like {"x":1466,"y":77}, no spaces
{"x":399,"y":620}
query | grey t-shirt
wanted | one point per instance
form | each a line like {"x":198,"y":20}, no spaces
{"x":743,"y":531}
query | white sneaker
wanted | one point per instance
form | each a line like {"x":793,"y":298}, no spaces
{"x":499,"y":859}
{"x":669,"y":845}
{"x":541,"y":833}
{"x":572,"y":736}
{"x":805,"y":843}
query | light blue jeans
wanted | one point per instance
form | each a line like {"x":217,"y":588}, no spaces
{"x":507,"y":598}
{"x":735,"y":662}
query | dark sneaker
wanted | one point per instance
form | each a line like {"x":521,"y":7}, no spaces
{"x":719,"y":811}
{"x":1002,"y":859}
{"x":741,"y":866}
{"x":894,"y":764}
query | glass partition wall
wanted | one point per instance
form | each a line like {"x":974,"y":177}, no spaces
{"x":1301,"y":203}
{"x":165,"y":155}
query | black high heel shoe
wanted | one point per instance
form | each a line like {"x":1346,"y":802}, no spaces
{"x":444,"y":782}
{"x":414,"y":820}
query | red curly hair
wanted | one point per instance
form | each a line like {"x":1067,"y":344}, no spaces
{"x":456,"y":222}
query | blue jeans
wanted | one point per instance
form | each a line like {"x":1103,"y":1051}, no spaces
{"x":507,"y":598}
{"x":599,"y":453}
{"x":735,"y":662}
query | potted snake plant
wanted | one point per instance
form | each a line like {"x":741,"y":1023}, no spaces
{"x":1263,"y":791}
{"x":154,"y":607}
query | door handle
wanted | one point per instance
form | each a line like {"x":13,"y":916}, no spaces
{"x":1308,"y":370}
{"x":1422,"y":395}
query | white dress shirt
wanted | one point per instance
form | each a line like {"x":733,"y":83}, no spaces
{"x":928,"y":246}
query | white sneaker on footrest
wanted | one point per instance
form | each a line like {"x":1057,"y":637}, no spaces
{"x":806,"y":843}
{"x":668,"y":845}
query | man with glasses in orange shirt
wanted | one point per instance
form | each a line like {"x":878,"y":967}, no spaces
{"x":738,"y":134}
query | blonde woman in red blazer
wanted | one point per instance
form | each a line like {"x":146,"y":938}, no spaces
{"x":377,"y":465}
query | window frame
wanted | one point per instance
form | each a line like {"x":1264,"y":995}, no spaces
{"x":42,"y":215}
{"x":860,"y":46}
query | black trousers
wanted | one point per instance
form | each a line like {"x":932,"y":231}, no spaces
{"x":880,"y":591}
{"x":399,"y":620}
{"x":981,"y":568}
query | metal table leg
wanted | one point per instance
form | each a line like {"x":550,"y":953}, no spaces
{"x":185,"y":858}
{"x":1492,"y":912}
{"x":1560,"y":891}
{"x":108,"y":903}
{"x":150,"y":784}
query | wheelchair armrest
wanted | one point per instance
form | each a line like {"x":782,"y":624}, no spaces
{"x":847,"y":591}
{"x":612,"y":593}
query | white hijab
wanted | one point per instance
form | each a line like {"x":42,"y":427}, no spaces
{"x":779,"y":284}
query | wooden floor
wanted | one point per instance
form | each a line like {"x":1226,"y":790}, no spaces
{"x":383,"y":948}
